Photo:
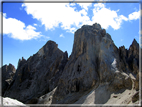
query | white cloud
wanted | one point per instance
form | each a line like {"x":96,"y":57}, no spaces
{"x":35,"y":24}
{"x":85,"y":5}
{"x":62,"y":36}
{"x":17,"y":29}
{"x":4,"y":14}
{"x":72,"y":4}
{"x":72,"y":30}
{"x":107,"y":17}
{"x":51,"y":16}
{"x":134,"y":15}
{"x":44,"y":38}
{"x":70,"y":19}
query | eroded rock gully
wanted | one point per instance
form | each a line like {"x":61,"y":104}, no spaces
{"x":95,"y":71}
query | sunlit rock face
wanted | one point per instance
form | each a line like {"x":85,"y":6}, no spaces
{"x":97,"y":72}
{"x":95,"y":60}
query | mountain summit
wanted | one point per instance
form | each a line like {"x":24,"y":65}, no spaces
{"x":97,"y":72}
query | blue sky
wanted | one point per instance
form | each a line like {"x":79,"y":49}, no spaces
{"x":28,"y":26}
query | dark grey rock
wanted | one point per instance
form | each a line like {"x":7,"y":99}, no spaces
{"x":21,"y":62}
{"x":103,"y":32}
{"x":135,"y":97}
{"x":49,"y":76}
{"x":38,"y":75}
{"x":8,"y":72}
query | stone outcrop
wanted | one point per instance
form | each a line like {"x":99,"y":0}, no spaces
{"x":37,"y":75}
{"x":95,"y":60}
{"x":96,"y":67}
{"x":21,"y":62}
{"x":8,"y":72}
{"x":129,"y":61}
{"x":130,"y":58}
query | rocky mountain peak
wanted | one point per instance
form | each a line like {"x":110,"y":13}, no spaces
{"x":90,"y":38}
{"x":97,"y":26}
{"x":21,"y":62}
{"x":51,"y":44}
{"x":96,"y":70}
{"x":94,"y":60}
{"x":9,"y":68}
{"x":135,"y":44}
{"x":134,"y":49}
{"x":134,"y":41}
{"x":48,"y":48}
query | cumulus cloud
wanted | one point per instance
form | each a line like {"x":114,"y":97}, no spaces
{"x":35,"y":24}
{"x":134,"y":15}
{"x":16,"y":29}
{"x":85,"y":5}
{"x":62,"y":36}
{"x":72,"y":4}
{"x":44,"y":38}
{"x":107,"y":17}
{"x":54,"y":14}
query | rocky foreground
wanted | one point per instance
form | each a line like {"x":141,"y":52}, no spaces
{"x":96,"y":72}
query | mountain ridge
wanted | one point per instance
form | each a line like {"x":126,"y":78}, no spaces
{"x":95,"y":62}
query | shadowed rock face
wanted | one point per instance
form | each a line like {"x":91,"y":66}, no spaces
{"x":8,"y":72}
{"x":129,"y":61}
{"x":39,"y":74}
{"x":130,"y":58}
{"x":95,"y":66}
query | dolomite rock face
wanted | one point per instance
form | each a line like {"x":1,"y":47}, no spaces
{"x":38,"y":75}
{"x":8,"y":72}
{"x":95,"y":60}
{"x":97,"y":72}
{"x":130,"y":58}
{"x":129,"y":61}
